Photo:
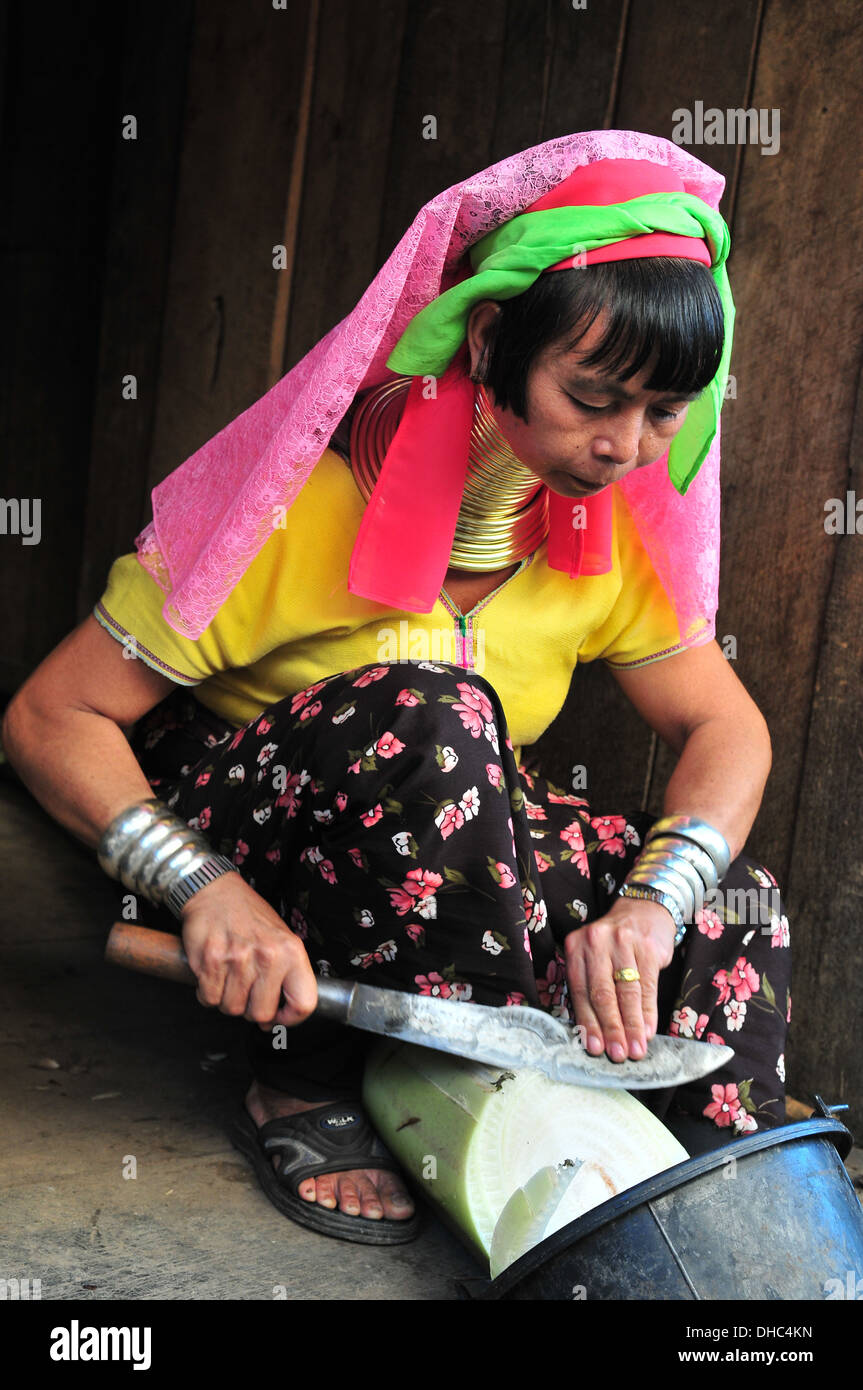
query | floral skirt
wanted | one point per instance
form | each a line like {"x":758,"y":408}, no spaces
{"x":381,"y":813}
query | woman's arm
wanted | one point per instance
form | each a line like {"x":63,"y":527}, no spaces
{"x":698,"y":706}
{"x":63,"y":734}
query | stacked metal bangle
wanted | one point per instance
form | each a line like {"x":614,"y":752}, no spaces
{"x":155,"y":853}
{"x":683,"y":859}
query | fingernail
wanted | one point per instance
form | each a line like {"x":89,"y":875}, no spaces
{"x":636,"y":1050}
{"x":616,"y":1052}
{"x":401,"y":1201}
{"x":594,"y":1044}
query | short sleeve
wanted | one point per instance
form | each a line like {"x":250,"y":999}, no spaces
{"x":131,"y":610}
{"x":641,"y":626}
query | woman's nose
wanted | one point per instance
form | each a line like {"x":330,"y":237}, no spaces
{"x":620,"y":439}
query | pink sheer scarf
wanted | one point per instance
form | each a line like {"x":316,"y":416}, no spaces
{"x":212,"y":515}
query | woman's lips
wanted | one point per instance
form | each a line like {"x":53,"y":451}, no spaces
{"x":584,"y":489}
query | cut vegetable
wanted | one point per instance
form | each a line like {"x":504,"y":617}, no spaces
{"x":472,"y":1135}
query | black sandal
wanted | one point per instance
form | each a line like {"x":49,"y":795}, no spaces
{"x":332,"y":1139}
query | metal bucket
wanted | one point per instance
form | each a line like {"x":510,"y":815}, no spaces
{"x":772,"y":1216}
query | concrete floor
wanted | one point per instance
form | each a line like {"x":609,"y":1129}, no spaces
{"x":134,"y":1082}
{"x":99,"y":1067}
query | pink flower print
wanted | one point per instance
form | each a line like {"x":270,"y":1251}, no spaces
{"x":433,"y":984}
{"x":237,"y":739}
{"x":365,"y":918}
{"x":461,"y":990}
{"x":573,"y":836}
{"x":715,"y":1038}
{"x":507,"y":877}
{"x":274,"y":855}
{"x":508,"y":742}
{"x":301,"y":698}
{"x":422,"y":882}
{"x":552,"y":986}
{"x":369,"y":677}
{"x":448,"y":819}
{"x":358,"y":858}
{"x":631,"y":835}
{"x":475,"y":699}
{"x":531,"y":782}
{"x":241,"y":849}
{"x":311,"y":710}
{"x":683,"y":1023}
{"x":469,"y":803}
{"x":407,"y":697}
{"x":415,"y":931}
{"x":355,"y":767}
{"x":264,"y":727}
{"x":323,"y":817}
{"x":312,"y":854}
{"x":203,"y":819}
{"x":566,"y":799}
{"x":607,"y":827}
{"x":735,"y":1012}
{"x":203,"y":779}
{"x":265,"y":754}
{"x":402,"y":902}
{"x":720,"y":981}
{"x":388,"y":745}
{"x":327,"y":870}
{"x":701,"y":1024}
{"x":780,"y":935}
{"x":495,"y":774}
{"x":470,"y":719}
{"x":299,"y":924}
{"x":743,"y":979}
{"x":543,"y":862}
{"x":514,"y":998}
{"x":709,"y":924}
{"x":788,"y":1013}
{"x":534,"y":812}
{"x":372,"y":817}
{"x":341,"y":800}
{"x":527,"y":946}
{"x":725,"y":1106}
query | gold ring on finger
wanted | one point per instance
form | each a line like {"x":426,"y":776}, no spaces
{"x":628,"y":974}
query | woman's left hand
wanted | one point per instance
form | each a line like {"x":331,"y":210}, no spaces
{"x":619,"y":1016}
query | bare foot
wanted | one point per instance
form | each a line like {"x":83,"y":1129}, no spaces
{"x":371,"y":1192}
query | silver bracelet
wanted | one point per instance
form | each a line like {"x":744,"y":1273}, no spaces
{"x":656,"y":895}
{"x":699,"y":860}
{"x":155,"y":853}
{"x":668,"y":861}
{"x":700,"y":833}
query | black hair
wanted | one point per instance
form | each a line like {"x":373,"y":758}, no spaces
{"x":662,"y":310}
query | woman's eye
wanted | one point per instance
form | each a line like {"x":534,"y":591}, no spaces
{"x":666,"y":416}
{"x":582,"y":405}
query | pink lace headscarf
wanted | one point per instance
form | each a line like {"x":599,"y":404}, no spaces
{"x":212,"y":515}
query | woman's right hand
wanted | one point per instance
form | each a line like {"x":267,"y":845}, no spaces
{"x":245,"y":957}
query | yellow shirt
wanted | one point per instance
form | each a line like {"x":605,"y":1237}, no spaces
{"x":291,"y":621}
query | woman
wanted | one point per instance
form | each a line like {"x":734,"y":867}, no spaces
{"x":352,"y":787}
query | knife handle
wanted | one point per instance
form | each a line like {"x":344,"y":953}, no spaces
{"x":161,"y":953}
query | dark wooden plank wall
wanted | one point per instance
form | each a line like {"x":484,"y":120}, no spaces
{"x":303,"y":126}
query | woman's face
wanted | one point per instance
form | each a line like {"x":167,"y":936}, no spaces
{"x":585,"y":428}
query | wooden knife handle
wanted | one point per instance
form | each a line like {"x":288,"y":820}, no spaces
{"x":152,"y":952}
{"x":161,"y":953}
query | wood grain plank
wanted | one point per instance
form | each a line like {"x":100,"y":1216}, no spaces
{"x":143,"y":186}
{"x":241,"y":121}
{"x":57,"y":140}
{"x":345,"y":186}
